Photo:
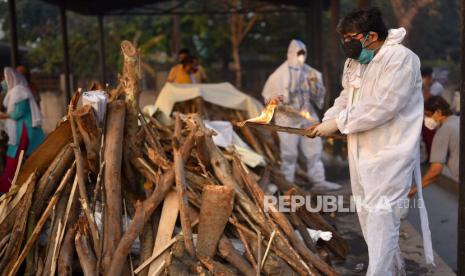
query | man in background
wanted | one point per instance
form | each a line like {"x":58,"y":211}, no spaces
{"x":445,"y":149}
{"x":299,"y":85}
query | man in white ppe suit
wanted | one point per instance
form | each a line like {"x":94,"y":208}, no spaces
{"x":381,"y":110}
{"x":298,"y":84}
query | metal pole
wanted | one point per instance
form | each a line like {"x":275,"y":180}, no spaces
{"x":101,"y":49}
{"x":64,"y":37}
{"x":13,"y":33}
{"x":461,"y":211}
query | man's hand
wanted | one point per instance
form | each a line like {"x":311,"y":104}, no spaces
{"x":325,"y":129}
{"x":311,"y":129}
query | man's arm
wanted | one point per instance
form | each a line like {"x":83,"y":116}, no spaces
{"x":395,"y":87}
{"x":434,"y":171}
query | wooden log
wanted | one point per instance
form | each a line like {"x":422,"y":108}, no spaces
{"x":35,"y":234}
{"x":216,"y":268}
{"x":298,"y":131}
{"x":17,"y":235}
{"x":201,"y":149}
{"x":82,"y":180}
{"x":223,"y":171}
{"x":146,"y":241}
{"x":51,"y":177}
{"x":216,"y":208}
{"x":169,"y":215}
{"x":114,"y":134}
{"x":41,"y":158}
{"x":87,"y":124}
{"x":65,"y":259}
{"x":286,"y":226}
{"x":149,"y":206}
{"x":57,"y":226}
{"x":85,"y":253}
{"x":230,"y":254}
{"x":130,"y":84}
{"x":181,"y":188}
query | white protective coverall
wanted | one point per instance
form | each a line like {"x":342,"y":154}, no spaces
{"x":381,"y":110}
{"x":299,"y":84}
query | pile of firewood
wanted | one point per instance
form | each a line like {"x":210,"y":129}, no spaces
{"x":131,"y":196}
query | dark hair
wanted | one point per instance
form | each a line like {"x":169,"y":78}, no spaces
{"x":188,"y":60}
{"x":426,"y":72}
{"x":184,"y":51}
{"x":364,"y":21}
{"x":438,"y":103}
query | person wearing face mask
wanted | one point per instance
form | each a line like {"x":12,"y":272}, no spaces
{"x":445,"y":148}
{"x":299,"y":85}
{"x":23,"y":121}
{"x":380,"y":109}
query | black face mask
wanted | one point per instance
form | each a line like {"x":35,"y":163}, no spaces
{"x":352,"y":48}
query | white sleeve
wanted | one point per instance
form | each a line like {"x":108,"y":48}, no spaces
{"x":341,"y":101}
{"x":395,"y":87}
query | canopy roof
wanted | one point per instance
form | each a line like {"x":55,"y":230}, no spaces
{"x":119,"y":7}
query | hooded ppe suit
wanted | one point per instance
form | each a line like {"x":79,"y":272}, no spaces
{"x":381,"y":110}
{"x":299,"y":84}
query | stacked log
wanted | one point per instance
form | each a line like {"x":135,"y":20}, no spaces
{"x":191,"y":207}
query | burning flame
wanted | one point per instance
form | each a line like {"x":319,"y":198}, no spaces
{"x":306,"y":115}
{"x":266,"y":115}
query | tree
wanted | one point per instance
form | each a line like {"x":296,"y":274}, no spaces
{"x":240,"y":25}
{"x":405,"y":11}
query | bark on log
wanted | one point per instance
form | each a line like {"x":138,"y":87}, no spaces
{"x":230,"y":254}
{"x":223,"y":172}
{"x":114,"y":135}
{"x":17,"y":235}
{"x":286,"y":226}
{"x":181,"y":189}
{"x":65,"y":259}
{"x":149,"y":206}
{"x":216,"y":208}
{"x":130,"y":84}
{"x":86,"y":255}
{"x":298,"y":131}
{"x":90,"y":133}
{"x":216,"y":268}
{"x":40,"y":224}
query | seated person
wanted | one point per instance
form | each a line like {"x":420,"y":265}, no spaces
{"x":182,"y":73}
{"x":445,"y":147}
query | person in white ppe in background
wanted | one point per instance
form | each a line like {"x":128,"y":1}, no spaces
{"x":298,"y":85}
{"x":380,"y":109}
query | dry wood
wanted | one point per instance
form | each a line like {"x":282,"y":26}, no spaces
{"x":286,"y":226}
{"x":87,"y":124}
{"x":40,"y":224}
{"x":181,"y":188}
{"x":216,"y":268}
{"x":298,"y":131}
{"x":65,"y":259}
{"x":114,"y":134}
{"x":149,"y":206}
{"x":81,"y":178}
{"x":217,"y":206}
{"x":223,"y":172}
{"x":17,"y":235}
{"x":147,"y":241}
{"x":230,"y":254}
{"x":57,"y":226}
{"x":130,"y":84}
{"x":85,"y":253}
{"x":41,"y":158}
{"x":169,"y":215}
